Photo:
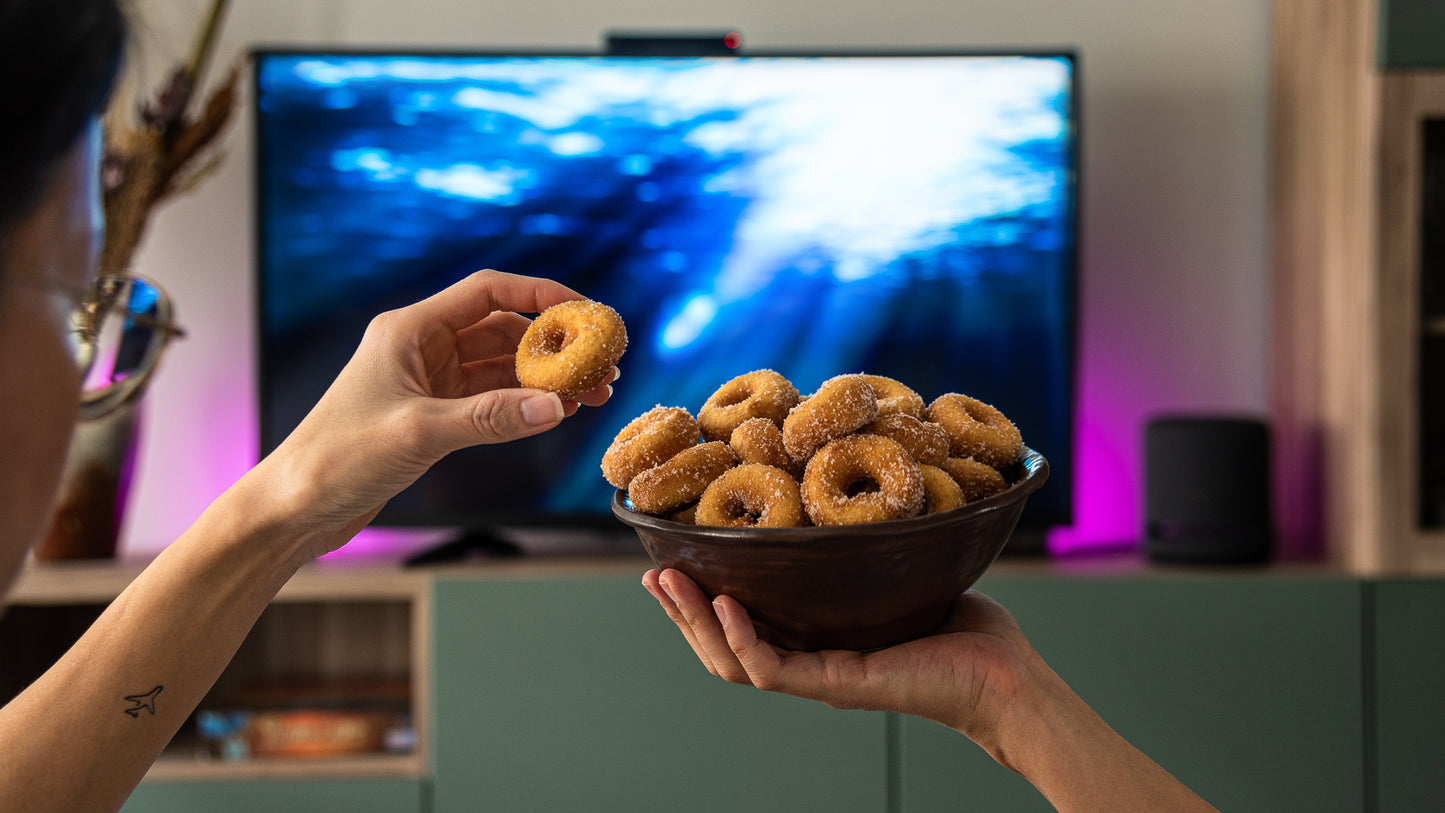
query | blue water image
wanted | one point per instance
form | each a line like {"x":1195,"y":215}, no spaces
{"x":903,"y":216}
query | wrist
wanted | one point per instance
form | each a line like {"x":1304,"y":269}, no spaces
{"x":1021,"y":713}
{"x":265,"y":514}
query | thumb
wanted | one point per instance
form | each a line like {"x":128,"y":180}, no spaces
{"x":499,"y":416}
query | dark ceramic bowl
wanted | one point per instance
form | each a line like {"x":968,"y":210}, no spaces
{"x":854,"y":587}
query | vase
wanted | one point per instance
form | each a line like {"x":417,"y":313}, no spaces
{"x":94,"y":488}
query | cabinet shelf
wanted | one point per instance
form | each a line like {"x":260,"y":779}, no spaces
{"x":330,"y":628}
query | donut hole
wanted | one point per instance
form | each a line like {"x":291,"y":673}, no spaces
{"x":861,"y":485}
{"x":744,"y":510}
{"x":554,"y":341}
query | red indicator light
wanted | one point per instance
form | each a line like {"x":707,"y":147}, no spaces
{"x":733,"y":39}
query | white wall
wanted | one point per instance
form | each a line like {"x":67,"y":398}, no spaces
{"x":1174,"y":289}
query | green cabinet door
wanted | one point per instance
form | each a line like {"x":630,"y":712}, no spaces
{"x":1409,"y":710}
{"x":1247,"y":687}
{"x":579,"y":695}
{"x":1411,"y":34}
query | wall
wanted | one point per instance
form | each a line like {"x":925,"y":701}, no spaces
{"x":1174,"y":290}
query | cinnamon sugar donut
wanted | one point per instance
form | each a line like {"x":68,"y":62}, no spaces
{"x":759,"y":394}
{"x":681,"y":479}
{"x":842,"y":404}
{"x":926,"y":442}
{"x":759,"y":440}
{"x":686,"y":515}
{"x":977,"y":480}
{"x":571,"y":348}
{"x":751,"y":495}
{"x":862,"y":478}
{"x":976,"y":430}
{"x":940,"y":491}
{"x":895,"y":397}
{"x":649,"y":439}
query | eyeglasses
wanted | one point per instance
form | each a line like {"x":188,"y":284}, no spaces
{"x":121,"y":329}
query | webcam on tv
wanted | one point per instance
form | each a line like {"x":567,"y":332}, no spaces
{"x":673,"y":43}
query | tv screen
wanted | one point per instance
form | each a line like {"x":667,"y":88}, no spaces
{"x":905,"y":215}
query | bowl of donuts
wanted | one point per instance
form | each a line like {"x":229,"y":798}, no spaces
{"x":851,"y":518}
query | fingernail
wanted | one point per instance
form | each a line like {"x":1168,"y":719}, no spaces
{"x":668,"y":590}
{"x":541,"y":410}
{"x":616,"y":374}
{"x":721,"y":612}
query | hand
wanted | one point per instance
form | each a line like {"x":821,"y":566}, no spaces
{"x":977,"y":674}
{"x":963,"y":676}
{"x":426,"y":380}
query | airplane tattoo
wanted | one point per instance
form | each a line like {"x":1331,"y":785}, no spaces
{"x":145,"y":701}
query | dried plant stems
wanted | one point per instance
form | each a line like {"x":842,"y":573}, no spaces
{"x":152,"y":159}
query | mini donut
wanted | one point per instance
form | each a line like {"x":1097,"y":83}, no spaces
{"x":842,"y":404}
{"x":759,"y":440}
{"x":681,"y":479}
{"x":759,"y":394}
{"x":977,"y":480}
{"x":649,"y":439}
{"x":926,"y":442}
{"x":976,"y":430}
{"x":685,"y":516}
{"x":571,"y":348}
{"x":751,"y":495}
{"x":940,"y":491}
{"x":862,"y":478}
{"x":895,"y":397}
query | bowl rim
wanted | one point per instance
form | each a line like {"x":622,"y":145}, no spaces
{"x":1034,"y":465}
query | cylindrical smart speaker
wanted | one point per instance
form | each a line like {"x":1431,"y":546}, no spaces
{"x":1207,"y":490}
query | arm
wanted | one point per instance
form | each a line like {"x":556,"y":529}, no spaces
{"x":426,"y":380}
{"x":977,"y":675}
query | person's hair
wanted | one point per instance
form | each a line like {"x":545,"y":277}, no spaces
{"x":58,"y":62}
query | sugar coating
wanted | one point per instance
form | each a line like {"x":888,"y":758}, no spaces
{"x":752,"y":495}
{"x":848,"y":453}
{"x":759,"y":440}
{"x":842,"y":404}
{"x":940,"y":491}
{"x":571,"y":348}
{"x":977,"y":480}
{"x":976,"y":430}
{"x":681,"y":479}
{"x":925,"y":442}
{"x":862,"y":478}
{"x":895,"y":397}
{"x":647,"y":440}
{"x":759,"y":394}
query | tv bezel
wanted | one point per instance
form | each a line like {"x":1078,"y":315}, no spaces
{"x":1034,"y":524}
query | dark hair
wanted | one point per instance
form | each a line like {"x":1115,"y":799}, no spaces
{"x":58,"y":62}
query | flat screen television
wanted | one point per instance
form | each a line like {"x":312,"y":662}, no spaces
{"x":912,"y":215}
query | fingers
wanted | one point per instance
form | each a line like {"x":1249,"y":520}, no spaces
{"x":496,"y":335}
{"x":692,"y":612}
{"x":474,"y":298}
{"x":707,"y":631}
{"x":761,"y":662}
{"x":650,"y":581}
{"x":599,"y":394}
{"x":497,"y":416}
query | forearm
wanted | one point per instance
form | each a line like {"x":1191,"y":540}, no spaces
{"x":1056,"y":741}
{"x":85,"y":733}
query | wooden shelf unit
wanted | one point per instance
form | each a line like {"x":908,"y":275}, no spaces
{"x":1346,"y":167}
{"x":330,"y":623}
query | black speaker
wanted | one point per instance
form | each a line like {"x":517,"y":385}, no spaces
{"x":1207,"y":490}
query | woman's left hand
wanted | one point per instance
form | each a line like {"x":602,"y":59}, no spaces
{"x":426,"y":380}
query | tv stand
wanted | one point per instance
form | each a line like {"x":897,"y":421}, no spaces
{"x":469,"y":545}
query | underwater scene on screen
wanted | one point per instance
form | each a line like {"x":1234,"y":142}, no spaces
{"x":903,"y":216}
